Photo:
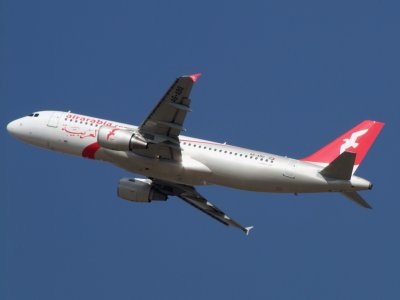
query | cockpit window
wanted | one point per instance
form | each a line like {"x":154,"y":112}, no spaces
{"x":36,"y":115}
{"x":30,"y":115}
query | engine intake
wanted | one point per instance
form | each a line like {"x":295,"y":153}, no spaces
{"x":119,"y":139}
{"x":139,"y":190}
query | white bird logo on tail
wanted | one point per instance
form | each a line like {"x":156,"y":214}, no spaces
{"x":352,"y":141}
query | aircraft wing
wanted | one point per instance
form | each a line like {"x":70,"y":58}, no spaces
{"x":190,"y":195}
{"x":165,"y":122}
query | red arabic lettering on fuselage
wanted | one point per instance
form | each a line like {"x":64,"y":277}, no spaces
{"x":81,"y":134}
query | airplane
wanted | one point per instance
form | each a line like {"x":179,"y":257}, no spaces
{"x":174,"y":164}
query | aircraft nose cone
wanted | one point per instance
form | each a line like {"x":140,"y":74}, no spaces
{"x":14,"y":127}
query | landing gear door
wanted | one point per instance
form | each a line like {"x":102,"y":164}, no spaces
{"x":290,"y":168}
{"x":54,"y":119}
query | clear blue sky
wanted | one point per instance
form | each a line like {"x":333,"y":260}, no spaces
{"x":281,"y":76}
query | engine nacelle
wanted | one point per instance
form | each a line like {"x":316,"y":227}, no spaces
{"x":119,"y":139}
{"x":138,"y":190}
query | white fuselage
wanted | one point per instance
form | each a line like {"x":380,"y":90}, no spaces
{"x":203,"y":162}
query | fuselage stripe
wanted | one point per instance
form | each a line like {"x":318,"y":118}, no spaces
{"x":90,"y":151}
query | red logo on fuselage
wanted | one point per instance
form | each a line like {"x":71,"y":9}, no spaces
{"x":111,"y":133}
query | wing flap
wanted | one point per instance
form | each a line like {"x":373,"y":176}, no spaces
{"x":180,"y":106}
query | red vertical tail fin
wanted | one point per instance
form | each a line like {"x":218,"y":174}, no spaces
{"x":357,"y":140}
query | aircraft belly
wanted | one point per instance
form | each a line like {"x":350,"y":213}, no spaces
{"x":270,"y":177}
{"x":256,"y":176}
{"x":189,"y":172}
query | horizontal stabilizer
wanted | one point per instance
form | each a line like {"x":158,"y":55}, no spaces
{"x":341,"y":167}
{"x":354,"y":196}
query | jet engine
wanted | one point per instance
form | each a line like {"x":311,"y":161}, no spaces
{"x":138,"y":190}
{"x":120,"y":139}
